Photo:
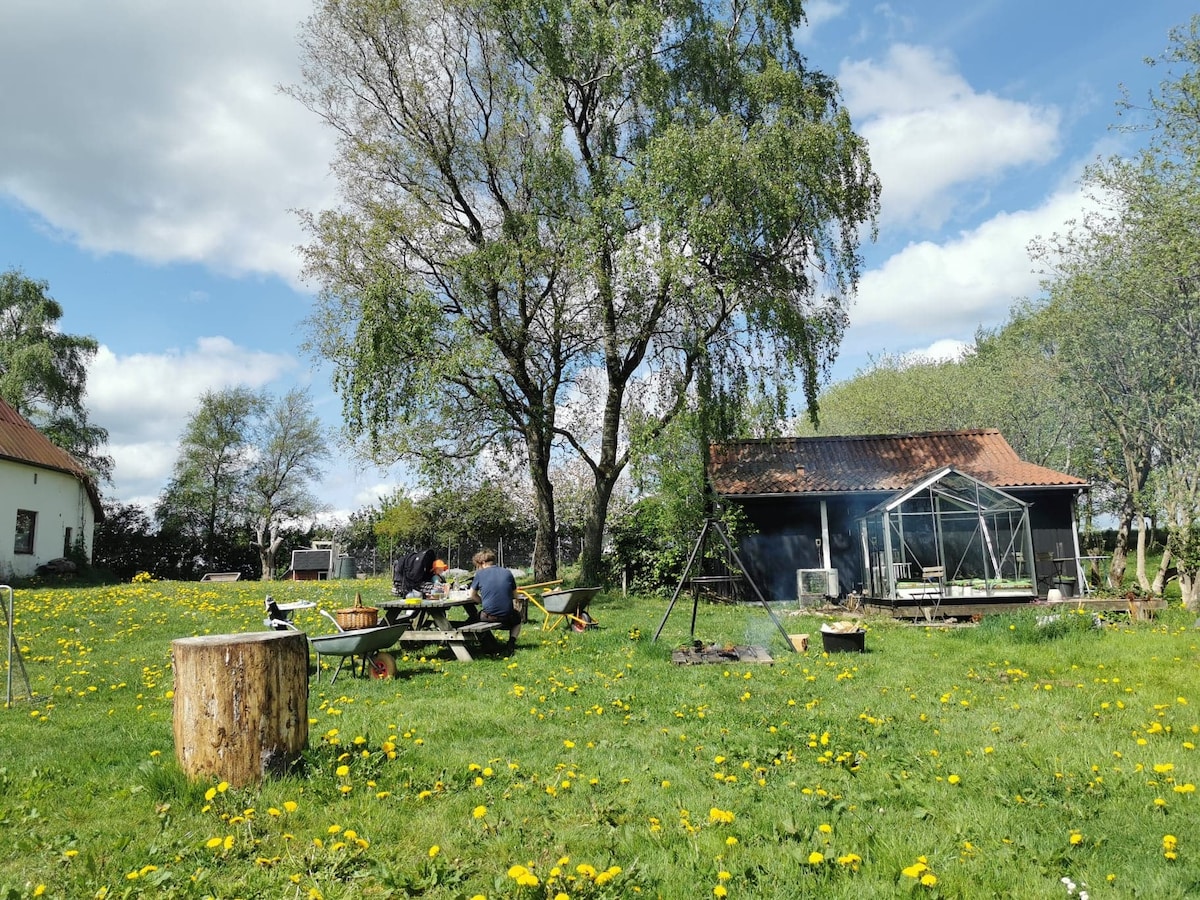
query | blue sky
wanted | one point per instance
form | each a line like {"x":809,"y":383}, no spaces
{"x":150,"y":169}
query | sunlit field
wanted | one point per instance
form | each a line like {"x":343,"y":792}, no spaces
{"x":1009,"y":759}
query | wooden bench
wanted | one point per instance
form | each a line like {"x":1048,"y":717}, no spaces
{"x":455,"y":639}
{"x":476,"y":627}
{"x":222,"y":576}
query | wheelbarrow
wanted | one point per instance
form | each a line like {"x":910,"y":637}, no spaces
{"x":366,"y":643}
{"x":568,"y":605}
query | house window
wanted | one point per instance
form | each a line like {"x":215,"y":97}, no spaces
{"x":26,"y":520}
{"x":67,"y":542}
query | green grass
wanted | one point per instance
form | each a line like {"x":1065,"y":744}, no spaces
{"x":979,"y":752}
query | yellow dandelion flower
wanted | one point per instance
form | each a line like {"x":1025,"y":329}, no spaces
{"x":291,"y":805}
{"x":720,"y":891}
{"x":342,"y":771}
{"x":816,"y":858}
{"x":479,"y":812}
{"x":434,"y":851}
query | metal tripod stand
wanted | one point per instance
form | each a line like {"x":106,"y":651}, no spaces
{"x":14,"y":649}
{"x":715,"y":525}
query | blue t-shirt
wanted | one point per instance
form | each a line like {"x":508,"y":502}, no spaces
{"x":496,"y":586}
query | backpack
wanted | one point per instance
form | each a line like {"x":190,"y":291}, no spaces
{"x":412,"y":570}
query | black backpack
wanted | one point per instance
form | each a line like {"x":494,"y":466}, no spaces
{"x":412,"y":570}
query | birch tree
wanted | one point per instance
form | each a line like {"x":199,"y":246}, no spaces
{"x":568,"y":203}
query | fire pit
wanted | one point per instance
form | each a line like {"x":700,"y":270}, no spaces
{"x":698,"y":653}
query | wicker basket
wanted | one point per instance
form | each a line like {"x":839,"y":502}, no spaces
{"x":357,"y":616}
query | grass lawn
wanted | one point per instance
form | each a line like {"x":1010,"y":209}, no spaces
{"x":1009,"y":759}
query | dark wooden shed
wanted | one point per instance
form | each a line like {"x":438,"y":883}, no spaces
{"x":811,"y":500}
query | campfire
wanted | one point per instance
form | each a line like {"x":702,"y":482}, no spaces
{"x":698,"y":653}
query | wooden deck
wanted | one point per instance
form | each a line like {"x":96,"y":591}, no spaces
{"x":923,"y":610}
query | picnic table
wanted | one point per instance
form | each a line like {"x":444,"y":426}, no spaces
{"x":430,"y":623}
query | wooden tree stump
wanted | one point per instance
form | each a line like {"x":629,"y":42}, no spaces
{"x":241,"y":704}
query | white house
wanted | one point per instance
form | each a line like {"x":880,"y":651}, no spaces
{"x":48,"y":501}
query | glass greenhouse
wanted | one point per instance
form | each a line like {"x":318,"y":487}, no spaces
{"x":948,"y":536}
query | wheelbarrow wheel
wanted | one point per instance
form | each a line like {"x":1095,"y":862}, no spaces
{"x":382,"y":665}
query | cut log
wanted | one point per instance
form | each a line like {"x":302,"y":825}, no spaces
{"x":241,"y":704}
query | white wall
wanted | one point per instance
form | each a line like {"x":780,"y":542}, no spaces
{"x":60,"y":501}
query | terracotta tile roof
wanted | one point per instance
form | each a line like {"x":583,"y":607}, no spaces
{"x":21,"y":442}
{"x":878,"y":462}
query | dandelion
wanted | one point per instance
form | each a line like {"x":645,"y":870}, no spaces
{"x":434,"y":851}
{"x":1170,"y":845}
{"x":479,"y":812}
{"x":1076,"y":838}
{"x":342,"y":771}
{"x":720,"y":891}
{"x":720,"y":816}
{"x":954,"y":779}
{"x":816,"y":858}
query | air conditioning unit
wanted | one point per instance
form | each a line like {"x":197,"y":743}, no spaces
{"x":815,"y":586}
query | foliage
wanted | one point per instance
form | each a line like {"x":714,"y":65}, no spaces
{"x":290,"y":446}
{"x":1122,"y":287}
{"x":1009,"y":379}
{"x":243,"y":475}
{"x":558,"y":218}
{"x":43,"y":372}
{"x":124,"y":541}
{"x":205,"y":501}
{"x":457,"y":517}
{"x":996,"y":764}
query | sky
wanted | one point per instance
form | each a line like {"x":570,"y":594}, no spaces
{"x":151,"y":171}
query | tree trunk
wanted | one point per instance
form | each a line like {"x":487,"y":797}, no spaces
{"x":1189,"y":587}
{"x":1142,"y":577}
{"x":545,"y":541}
{"x":1160,"y":577}
{"x":591,"y":571}
{"x":1116,"y":569}
{"x":241,"y":704}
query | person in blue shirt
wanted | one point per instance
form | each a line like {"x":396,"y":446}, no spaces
{"x":496,"y":590}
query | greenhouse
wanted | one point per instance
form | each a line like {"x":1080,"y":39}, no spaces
{"x":947,"y":536}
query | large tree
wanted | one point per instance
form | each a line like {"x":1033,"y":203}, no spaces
{"x":557,"y":217}
{"x":290,"y":444}
{"x":1124,"y":290}
{"x":43,"y":371}
{"x":246,"y":466}
{"x":1008,"y":379}
{"x":206,"y":496}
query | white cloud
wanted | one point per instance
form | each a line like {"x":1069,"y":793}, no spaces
{"x":931,"y":134}
{"x":939,"y":351}
{"x":933,"y":290}
{"x":145,"y":399}
{"x":189,"y":152}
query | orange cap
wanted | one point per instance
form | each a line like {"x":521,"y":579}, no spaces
{"x":439,"y":565}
